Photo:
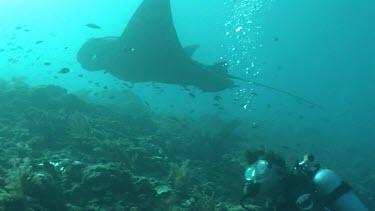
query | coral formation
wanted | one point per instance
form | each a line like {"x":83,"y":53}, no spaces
{"x":63,"y":153}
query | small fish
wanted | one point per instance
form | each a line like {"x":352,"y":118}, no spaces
{"x":217,"y":98}
{"x":80,"y":75}
{"x":47,"y":63}
{"x":64,"y":70}
{"x":2,"y":50}
{"x":185,"y":88}
{"x":254,"y":125}
{"x":105,"y":87}
{"x":276,"y":39}
{"x":18,"y":27}
{"x":39,"y":42}
{"x":129,"y":50}
{"x":285,"y":147}
{"x":26,"y":30}
{"x":93,"y":26}
{"x":192,"y":95}
{"x":66,"y":48}
{"x":155,"y":86}
{"x":127,"y":85}
{"x":254,"y":94}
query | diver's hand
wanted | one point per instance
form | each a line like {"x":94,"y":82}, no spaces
{"x":251,"y":189}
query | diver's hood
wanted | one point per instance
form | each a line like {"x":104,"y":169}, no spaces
{"x":268,"y":176}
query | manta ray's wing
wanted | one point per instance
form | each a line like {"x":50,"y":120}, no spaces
{"x":151,"y":31}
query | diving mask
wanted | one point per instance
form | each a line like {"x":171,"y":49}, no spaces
{"x":258,"y":171}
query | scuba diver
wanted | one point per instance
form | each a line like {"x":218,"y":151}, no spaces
{"x":308,"y":187}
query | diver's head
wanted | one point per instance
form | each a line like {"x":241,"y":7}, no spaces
{"x":264,"y":182}
{"x":264,"y":173}
{"x":308,"y":158}
{"x":258,"y":172}
{"x":97,"y":53}
{"x":264,"y":177}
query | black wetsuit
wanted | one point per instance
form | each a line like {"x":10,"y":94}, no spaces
{"x":294,"y":186}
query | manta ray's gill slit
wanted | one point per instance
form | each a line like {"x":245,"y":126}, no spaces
{"x":242,"y":41}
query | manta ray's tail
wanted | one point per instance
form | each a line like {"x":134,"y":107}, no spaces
{"x":280,"y":91}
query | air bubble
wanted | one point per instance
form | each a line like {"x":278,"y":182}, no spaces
{"x":239,"y":29}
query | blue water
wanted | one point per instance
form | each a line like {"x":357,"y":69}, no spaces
{"x":321,"y":50}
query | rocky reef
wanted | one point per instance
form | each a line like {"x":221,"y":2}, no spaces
{"x":60,"y":152}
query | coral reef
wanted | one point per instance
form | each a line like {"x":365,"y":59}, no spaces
{"x":64,"y":153}
{"x":60,"y":152}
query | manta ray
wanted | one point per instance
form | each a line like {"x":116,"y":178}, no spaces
{"x":149,"y":51}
